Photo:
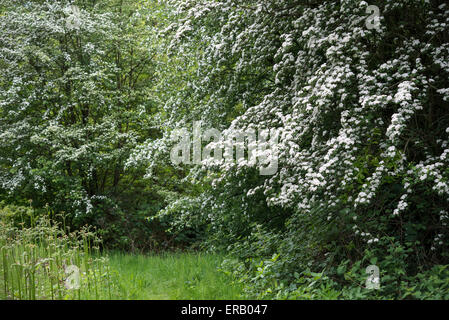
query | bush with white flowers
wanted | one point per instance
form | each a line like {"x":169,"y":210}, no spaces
{"x":363,"y":115}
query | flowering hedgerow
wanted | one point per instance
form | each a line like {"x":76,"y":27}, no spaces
{"x":363,"y":113}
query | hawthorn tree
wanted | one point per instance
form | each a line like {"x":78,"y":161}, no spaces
{"x":75,"y":99}
{"x":364,"y":122}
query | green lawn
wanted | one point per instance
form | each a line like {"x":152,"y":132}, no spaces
{"x":171,"y":276}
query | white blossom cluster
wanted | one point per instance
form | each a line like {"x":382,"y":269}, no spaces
{"x":357,"y":109}
{"x":62,"y":118}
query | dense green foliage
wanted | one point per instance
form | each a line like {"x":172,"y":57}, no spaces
{"x":363,"y":155}
{"x":75,"y":101}
{"x":87,"y":112}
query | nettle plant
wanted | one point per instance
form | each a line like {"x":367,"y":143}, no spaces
{"x":363,"y":116}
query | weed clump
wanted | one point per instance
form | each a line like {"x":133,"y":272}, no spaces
{"x":47,"y":261}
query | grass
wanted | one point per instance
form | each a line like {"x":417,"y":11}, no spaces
{"x":190,"y":276}
{"x":45,"y":262}
{"x":36,"y":263}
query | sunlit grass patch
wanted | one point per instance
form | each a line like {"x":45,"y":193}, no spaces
{"x":173,"y":276}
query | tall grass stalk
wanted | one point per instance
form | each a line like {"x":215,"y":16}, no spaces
{"x":34,"y":261}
